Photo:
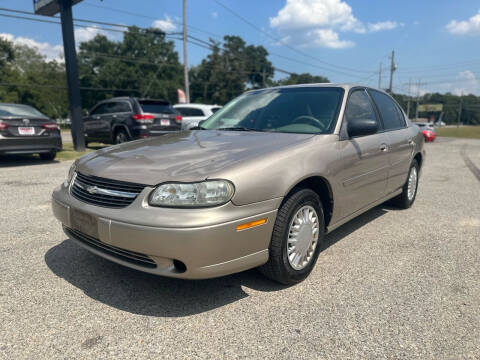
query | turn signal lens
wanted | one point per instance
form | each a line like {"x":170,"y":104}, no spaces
{"x":251,"y":224}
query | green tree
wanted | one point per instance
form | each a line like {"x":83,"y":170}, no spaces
{"x":143,"y":64}
{"x":229,"y":70}
{"x":304,"y":78}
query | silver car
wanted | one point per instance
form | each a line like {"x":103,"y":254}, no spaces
{"x":259,"y":184}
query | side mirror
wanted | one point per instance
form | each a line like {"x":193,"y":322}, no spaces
{"x":85,"y":112}
{"x":361,"y":127}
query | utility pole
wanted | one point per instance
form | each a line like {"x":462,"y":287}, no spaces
{"x":71,"y":66}
{"x":419,"y":83}
{"x":185,"y":58}
{"x":393,"y":67}
{"x":459,"y":118}
{"x":409,"y":97}
{"x":380,"y":76}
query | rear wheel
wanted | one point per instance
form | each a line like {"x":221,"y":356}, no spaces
{"x":48,"y":156}
{"x":409,"y":191}
{"x":294,"y":247}
{"x":121,"y":136}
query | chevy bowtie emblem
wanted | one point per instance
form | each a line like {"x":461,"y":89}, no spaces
{"x":92,"y":189}
{"x":26,"y":121}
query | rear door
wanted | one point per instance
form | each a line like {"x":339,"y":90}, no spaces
{"x":166,"y":118}
{"x":364,"y":159}
{"x":399,"y":139}
{"x":120,"y":114}
{"x":93,"y":123}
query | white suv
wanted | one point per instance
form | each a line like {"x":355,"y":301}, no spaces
{"x":192,"y":114}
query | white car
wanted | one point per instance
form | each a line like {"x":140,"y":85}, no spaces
{"x":192,"y":114}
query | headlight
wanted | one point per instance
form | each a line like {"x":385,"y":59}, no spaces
{"x":71,"y":172}
{"x":201,"y":194}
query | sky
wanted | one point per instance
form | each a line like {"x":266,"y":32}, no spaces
{"x":436,"y":43}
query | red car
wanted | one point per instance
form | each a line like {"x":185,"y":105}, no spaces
{"x":428,"y":131}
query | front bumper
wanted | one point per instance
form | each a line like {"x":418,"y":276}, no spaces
{"x":204,"y":240}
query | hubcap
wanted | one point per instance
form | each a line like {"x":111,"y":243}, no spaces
{"x":120,"y":138}
{"x":302,"y":237}
{"x":412,"y":183}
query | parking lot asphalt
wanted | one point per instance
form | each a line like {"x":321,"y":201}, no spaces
{"x":397,"y":284}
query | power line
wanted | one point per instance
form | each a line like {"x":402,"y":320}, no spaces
{"x":85,"y":88}
{"x":289,"y":46}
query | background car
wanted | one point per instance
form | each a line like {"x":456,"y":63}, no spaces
{"x":122,"y":119}
{"x":25,"y":130}
{"x":192,"y":114}
{"x":428,"y":131}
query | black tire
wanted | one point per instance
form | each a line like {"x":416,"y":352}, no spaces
{"x":50,"y":156}
{"x":402,"y":201}
{"x":278,"y":267}
{"x":121,"y":136}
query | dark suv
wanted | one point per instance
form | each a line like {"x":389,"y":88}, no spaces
{"x":122,"y":119}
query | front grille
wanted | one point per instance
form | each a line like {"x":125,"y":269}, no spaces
{"x":104,"y":192}
{"x":131,"y":257}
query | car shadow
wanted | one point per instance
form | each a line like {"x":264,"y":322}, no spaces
{"x":23,"y":160}
{"x":145,"y":294}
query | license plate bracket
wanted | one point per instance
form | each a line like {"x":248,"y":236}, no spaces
{"x":26,"y":130}
{"x":84,"y":223}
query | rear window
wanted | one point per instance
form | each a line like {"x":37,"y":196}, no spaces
{"x":19,"y":110}
{"x":155,"y":107}
{"x":186,"y":111}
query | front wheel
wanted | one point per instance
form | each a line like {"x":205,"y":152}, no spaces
{"x":298,"y":230}
{"x":409,"y":190}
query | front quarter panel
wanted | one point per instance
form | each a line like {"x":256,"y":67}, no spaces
{"x":274,"y":175}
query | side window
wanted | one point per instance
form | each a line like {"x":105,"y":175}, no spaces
{"x":119,"y":107}
{"x":196,"y":112}
{"x":388,"y":110}
{"x":99,"y":110}
{"x":182,"y":111}
{"x":359,"y":107}
{"x":403,"y":121}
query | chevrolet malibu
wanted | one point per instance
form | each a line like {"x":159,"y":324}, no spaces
{"x":258,"y":184}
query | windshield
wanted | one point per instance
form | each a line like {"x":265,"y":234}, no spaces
{"x":19,"y":110}
{"x":310,"y":110}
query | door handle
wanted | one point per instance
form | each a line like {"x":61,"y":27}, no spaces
{"x":383,"y":148}
{"x":114,"y":116}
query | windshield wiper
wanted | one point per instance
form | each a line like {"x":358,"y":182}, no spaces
{"x":238,"y":128}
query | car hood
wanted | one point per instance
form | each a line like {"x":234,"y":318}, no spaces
{"x":183,"y":156}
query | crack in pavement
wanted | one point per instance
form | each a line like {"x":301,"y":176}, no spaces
{"x":471,"y":166}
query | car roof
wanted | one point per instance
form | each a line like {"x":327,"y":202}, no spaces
{"x":120,"y":98}
{"x":197,"y":106}
{"x":345,"y":86}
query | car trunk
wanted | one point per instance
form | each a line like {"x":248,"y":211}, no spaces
{"x":24,"y":126}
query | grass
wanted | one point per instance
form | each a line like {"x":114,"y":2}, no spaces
{"x":467,"y":132}
{"x":68,"y":153}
